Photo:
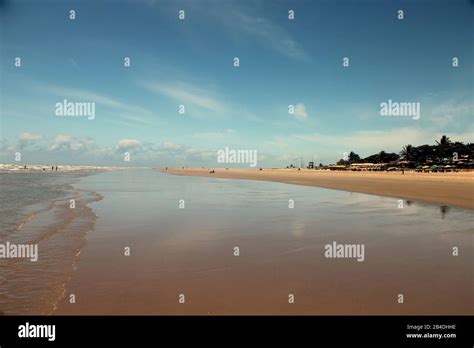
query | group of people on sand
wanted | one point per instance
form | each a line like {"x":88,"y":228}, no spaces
{"x":52,"y":168}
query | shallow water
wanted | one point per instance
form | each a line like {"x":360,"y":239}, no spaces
{"x":35,"y":210}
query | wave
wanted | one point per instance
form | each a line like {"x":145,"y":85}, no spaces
{"x":35,"y":288}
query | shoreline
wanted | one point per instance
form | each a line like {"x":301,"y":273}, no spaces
{"x":59,"y":234}
{"x":45,"y":168}
{"x":452,"y":189}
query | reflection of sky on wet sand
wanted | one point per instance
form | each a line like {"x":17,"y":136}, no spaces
{"x":281,"y":249}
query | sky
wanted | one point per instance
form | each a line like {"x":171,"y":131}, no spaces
{"x":190,"y":62}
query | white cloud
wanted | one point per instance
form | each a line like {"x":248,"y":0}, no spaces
{"x":28,"y":139}
{"x":61,"y":142}
{"x":69,"y":143}
{"x":30,"y":136}
{"x":300,"y":112}
{"x":168,"y":145}
{"x":128,"y":144}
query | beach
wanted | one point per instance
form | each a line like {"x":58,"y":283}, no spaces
{"x":181,"y":233}
{"x":451,"y":189}
{"x":190,"y":251}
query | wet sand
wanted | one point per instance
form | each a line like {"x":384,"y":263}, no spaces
{"x":452,"y":189}
{"x":191,"y":251}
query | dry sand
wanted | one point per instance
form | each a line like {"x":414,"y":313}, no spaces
{"x":453,"y":189}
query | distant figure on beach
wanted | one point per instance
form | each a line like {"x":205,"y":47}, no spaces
{"x":166,"y":168}
{"x":25,"y":167}
{"x":52,"y":168}
{"x":212,"y":171}
{"x":56,"y":168}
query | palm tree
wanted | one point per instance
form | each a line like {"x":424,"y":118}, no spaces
{"x":443,"y":148}
{"x":443,"y":141}
{"x":353,"y":157}
{"x":408,"y":153}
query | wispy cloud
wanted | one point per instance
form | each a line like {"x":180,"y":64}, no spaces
{"x":243,"y":19}
{"x":75,"y":94}
{"x":187,"y":95}
{"x":451,"y":112}
{"x":270,"y":34}
{"x":223,"y":135}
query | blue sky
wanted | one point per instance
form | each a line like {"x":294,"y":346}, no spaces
{"x":190,"y":62}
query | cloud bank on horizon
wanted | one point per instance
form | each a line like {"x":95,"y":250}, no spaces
{"x":289,"y":79}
